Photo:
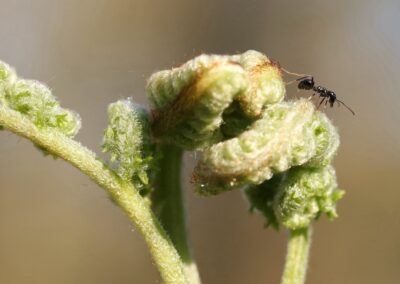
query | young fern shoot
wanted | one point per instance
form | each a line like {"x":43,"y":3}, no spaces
{"x":229,"y":107}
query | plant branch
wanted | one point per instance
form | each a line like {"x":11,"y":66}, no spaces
{"x":125,"y":195}
{"x":297,"y":256}
{"x":168,"y":201}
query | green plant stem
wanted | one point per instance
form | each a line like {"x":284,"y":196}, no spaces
{"x":125,"y":195}
{"x":168,"y":202}
{"x":297,"y":256}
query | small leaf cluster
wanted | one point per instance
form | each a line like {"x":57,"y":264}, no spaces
{"x":296,"y":197}
{"x":35,"y":101}
{"x":127,"y":140}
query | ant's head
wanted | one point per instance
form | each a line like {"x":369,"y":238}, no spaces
{"x":332,"y":98}
{"x":331,"y":95}
{"x":306,"y":83}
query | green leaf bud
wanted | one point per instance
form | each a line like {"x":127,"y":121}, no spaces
{"x":294,"y":198}
{"x":305,"y":194}
{"x":35,"y":101}
{"x":127,"y":140}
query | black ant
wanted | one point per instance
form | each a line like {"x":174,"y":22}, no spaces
{"x":306,"y":82}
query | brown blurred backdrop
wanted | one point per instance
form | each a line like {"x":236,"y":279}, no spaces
{"x":56,"y":226}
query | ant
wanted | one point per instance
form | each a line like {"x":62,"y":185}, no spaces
{"x":306,"y":82}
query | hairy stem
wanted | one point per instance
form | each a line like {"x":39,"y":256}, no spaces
{"x":168,"y":201}
{"x":297,"y":256}
{"x":125,"y":195}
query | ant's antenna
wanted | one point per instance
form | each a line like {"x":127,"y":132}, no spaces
{"x":340,"y":102}
{"x":302,"y":76}
{"x":294,"y":74}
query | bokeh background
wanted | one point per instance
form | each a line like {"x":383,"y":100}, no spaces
{"x":56,"y":226}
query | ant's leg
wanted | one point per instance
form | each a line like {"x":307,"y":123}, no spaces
{"x":312,"y":96}
{"x":326,"y":102}
{"x":321,"y":103}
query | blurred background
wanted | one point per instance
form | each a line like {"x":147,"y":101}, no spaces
{"x":56,"y":226}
